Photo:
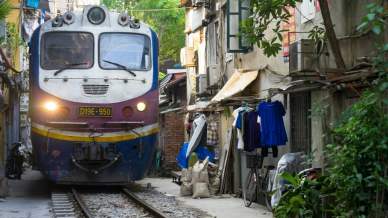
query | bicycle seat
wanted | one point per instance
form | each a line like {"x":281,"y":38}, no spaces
{"x":269,"y":167}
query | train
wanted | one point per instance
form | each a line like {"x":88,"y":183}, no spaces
{"x":93,"y":97}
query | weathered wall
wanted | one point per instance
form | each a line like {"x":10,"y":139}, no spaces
{"x":346,"y":16}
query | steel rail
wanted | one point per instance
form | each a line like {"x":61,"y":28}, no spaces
{"x":85,"y":210}
{"x":154,"y":211}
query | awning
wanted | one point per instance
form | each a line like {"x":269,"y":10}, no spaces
{"x":236,"y":84}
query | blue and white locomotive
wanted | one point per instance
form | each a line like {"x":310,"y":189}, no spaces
{"x":94,"y":97}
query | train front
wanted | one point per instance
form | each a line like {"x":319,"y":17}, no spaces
{"x":94,"y":97}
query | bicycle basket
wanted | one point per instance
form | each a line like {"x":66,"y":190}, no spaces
{"x":254,"y":161}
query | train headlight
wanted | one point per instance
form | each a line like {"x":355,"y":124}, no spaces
{"x":50,"y":106}
{"x":96,"y":15}
{"x":141,"y":106}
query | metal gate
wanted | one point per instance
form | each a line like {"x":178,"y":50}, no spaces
{"x":300,"y":106}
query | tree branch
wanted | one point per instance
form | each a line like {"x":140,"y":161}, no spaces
{"x":331,"y":35}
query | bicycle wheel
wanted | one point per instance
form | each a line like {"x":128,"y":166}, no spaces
{"x":265,"y":187}
{"x":249,"y":189}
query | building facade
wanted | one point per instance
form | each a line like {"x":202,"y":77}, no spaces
{"x":224,"y":71}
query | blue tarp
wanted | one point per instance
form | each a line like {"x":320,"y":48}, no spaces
{"x":183,"y":162}
{"x":201,"y":151}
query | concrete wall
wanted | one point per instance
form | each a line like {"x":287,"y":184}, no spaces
{"x":346,"y":16}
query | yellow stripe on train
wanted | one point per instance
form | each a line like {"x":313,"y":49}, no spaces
{"x":97,"y":137}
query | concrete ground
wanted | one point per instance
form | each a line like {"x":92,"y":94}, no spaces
{"x":220,"y":207}
{"x":28,"y":198}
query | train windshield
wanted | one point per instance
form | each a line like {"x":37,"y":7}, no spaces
{"x":125,"y":49}
{"x":63,"y":49}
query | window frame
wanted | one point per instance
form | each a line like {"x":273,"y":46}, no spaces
{"x":128,"y":33}
{"x":42,"y":49}
{"x":241,"y":47}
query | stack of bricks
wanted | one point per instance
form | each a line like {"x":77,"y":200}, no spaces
{"x":172,"y":138}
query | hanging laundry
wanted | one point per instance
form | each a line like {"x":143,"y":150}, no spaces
{"x":273,"y":132}
{"x":264,"y":151}
{"x":251,"y":134}
{"x":198,"y":135}
{"x":212,"y":133}
{"x":243,"y":124}
{"x":238,"y":124}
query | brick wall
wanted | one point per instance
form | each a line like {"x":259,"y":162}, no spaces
{"x":171,"y":138}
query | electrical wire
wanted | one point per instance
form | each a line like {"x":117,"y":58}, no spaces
{"x":156,"y":9}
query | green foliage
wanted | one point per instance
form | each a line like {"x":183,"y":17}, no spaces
{"x":13,"y":40}
{"x":162,"y":75}
{"x":169,"y":23}
{"x":5,"y":8}
{"x":317,"y":34}
{"x":359,"y":155}
{"x":264,"y":26}
{"x":359,"y":158}
{"x":375,"y":19}
{"x":302,"y":199}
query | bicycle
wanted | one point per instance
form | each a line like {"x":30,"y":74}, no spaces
{"x":257,"y":183}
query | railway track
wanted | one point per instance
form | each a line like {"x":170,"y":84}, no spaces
{"x":73,"y":203}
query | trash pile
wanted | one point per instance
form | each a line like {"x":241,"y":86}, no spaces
{"x":201,"y":177}
{"x":200,"y":181}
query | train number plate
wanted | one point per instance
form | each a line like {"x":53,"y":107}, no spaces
{"x":95,"y":111}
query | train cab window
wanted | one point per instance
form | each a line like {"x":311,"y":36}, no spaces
{"x":124,"y":49}
{"x":67,"y":50}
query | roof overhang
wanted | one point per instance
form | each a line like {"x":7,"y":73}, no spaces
{"x":236,"y":84}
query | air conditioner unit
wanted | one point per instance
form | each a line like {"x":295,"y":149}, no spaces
{"x":301,"y":54}
{"x":213,"y":74}
{"x":188,"y":57}
{"x":196,"y":18}
{"x":202,"y":83}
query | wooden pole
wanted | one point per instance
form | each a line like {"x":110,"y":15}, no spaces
{"x":331,"y":35}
